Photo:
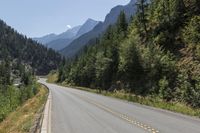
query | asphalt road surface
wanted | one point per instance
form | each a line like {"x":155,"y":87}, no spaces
{"x":76,"y":111}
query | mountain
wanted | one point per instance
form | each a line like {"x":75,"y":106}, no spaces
{"x":87,"y":26}
{"x":157,"y":57}
{"x":18,"y":48}
{"x":45,"y":39}
{"x":70,"y":33}
{"x":76,"y":45}
{"x":64,"y":39}
{"x":58,"y":42}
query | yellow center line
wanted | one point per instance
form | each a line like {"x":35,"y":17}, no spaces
{"x":130,"y":120}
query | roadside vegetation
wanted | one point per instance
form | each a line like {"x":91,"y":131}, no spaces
{"x":23,"y":119}
{"x":152,"y":101}
{"x":52,"y":77}
{"x":21,"y":97}
{"x":17,"y":85}
{"x":24,"y":50}
{"x":154,"y":58}
{"x":21,"y":59}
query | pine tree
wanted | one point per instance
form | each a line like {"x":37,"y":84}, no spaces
{"x":178,"y":10}
{"x":8,"y":72}
{"x":141,"y":14}
{"x":131,"y":67}
{"x":122,"y":24}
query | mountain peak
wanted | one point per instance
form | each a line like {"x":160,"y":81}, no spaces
{"x":87,"y":26}
{"x":90,"y":20}
{"x":111,"y":18}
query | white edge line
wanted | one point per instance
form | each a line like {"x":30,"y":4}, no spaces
{"x":46,"y":122}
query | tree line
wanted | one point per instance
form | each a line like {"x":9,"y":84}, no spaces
{"x":21,"y":59}
{"x":12,"y":96}
{"x":27,"y":51}
{"x":157,"y":54}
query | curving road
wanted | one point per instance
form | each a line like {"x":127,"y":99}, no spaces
{"x":76,"y":111}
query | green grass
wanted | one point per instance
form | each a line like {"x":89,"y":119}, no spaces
{"x":21,"y":120}
{"x":52,"y":77}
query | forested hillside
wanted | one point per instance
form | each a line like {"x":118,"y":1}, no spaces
{"x":20,"y":60}
{"x":26,"y":51}
{"x":157,"y":55}
{"x":12,"y":96}
{"x":76,"y":45}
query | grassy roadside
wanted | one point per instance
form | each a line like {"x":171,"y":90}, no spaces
{"x":149,"y":101}
{"x":52,"y":77}
{"x":21,"y":120}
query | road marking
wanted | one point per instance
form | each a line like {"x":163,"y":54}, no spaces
{"x":46,"y":122}
{"x":129,"y":119}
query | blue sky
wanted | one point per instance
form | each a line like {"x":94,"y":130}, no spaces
{"x":36,"y":18}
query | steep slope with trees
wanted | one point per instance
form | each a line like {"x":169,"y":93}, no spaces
{"x":157,"y":55}
{"x":26,"y":51}
{"x":20,"y":59}
{"x":78,"y":44}
{"x":12,"y":96}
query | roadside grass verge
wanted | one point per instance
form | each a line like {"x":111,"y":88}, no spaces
{"x":24,"y":118}
{"x":52,"y":77}
{"x":149,"y":101}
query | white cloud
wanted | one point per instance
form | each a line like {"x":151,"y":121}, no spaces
{"x":69,"y":26}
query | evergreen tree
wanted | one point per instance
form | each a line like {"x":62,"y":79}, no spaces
{"x":16,"y":46}
{"x":122,"y":24}
{"x":178,"y":10}
{"x":142,"y":15}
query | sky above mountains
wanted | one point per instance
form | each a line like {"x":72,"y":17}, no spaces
{"x":36,"y":18}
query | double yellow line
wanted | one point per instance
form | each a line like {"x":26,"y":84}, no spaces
{"x":130,"y":120}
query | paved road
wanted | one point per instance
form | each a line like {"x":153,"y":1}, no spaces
{"x":76,"y":111}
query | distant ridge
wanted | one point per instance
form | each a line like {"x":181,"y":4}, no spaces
{"x":76,"y":45}
{"x":60,"y":41}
